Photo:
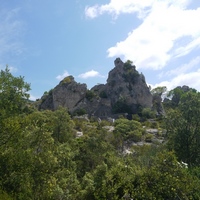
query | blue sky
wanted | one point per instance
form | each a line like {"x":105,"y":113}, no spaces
{"x":44,"y":41}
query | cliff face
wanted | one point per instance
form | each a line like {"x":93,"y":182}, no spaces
{"x":67,"y":94}
{"x":125,"y":92}
{"x":126,"y":86}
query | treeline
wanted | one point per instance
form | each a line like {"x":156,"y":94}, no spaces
{"x":41,"y":157}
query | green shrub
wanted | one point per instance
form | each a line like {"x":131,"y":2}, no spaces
{"x":128,"y":130}
{"x":130,"y":74}
{"x":103,"y":94}
{"x":90,"y":95}
{"x":147,"y":113}
{"x":135,"y":136}
{"x":80,"y":112}
{"x":67,"y":79}
{"x":154,"y":124}
{"x":128,"y":65}
{"x":136,"y":117}
{"x":148,"y":137}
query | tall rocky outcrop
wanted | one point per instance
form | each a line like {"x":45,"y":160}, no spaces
{"x":125,"y":86}
{"x":126,"y":91}
{"x":67,"y":94}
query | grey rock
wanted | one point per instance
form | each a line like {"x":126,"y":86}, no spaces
{"x":68,"y":94}
{"x":127,"y":88}
{"x":126,"y":91}
{"x":157,"y":104}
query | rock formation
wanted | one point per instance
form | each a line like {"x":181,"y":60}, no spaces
{"x":126,"y":91}
{"x":67,"y":94}
{"x":157,"y":105}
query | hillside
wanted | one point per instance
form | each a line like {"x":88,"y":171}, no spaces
{"x":50,"y":154}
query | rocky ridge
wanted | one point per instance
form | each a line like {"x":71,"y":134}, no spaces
{"x":126,"y":91}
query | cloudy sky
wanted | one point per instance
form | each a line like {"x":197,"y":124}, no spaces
{"x":44,"y":41}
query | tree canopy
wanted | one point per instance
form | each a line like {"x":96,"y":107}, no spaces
{"x":183,"y":128}
{"x":41,"y":156}
{"x":13,"y":93}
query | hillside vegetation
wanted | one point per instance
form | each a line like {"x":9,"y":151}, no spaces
{"x":52,"y":155}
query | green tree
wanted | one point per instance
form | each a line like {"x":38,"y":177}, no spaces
{"x":160,"y":90}
{"x":53,"y":170}
{"x":147,"y":113}
{"x":176,"y":94}
{"x":183,"y":129}
{"x":63,"y":126}
{"x":32,"y":164}
{"x":165,"y":178}
{"x":111,"y":180}
{"x":92,"y":150}
{"x":13,"y":93}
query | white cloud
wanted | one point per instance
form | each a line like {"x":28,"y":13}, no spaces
{"x":190,"y":79}
{"x":182,"y":69}
{"x":151,"y":45}
{"x":184,"y":50}
{"x":91,"y":12}
{"x":90,"y":74}
{"x":116,"y":7}
{"x":154,"y":42}
{"x":62,"y":76}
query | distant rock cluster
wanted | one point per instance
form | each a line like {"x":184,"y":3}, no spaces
{"x":126,"y":91}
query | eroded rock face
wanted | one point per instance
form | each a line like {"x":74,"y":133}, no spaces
{"x":127,"y":88}
{"x":125,"y":92}
{"x":68,"y":94}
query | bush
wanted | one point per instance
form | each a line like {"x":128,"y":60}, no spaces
{"x":130,"y":76}
{"x":136,"y":117}
{"x":135,"y":136}
{"x":128,"y":130}
{"x":154,"y":125}
{"x":147,"y":113}
{"x":67,"y":79}
{"x":80,"y":112}
{"x":128,"y":65}
{"x":148,"y":137}
{"x":90,"y":95}
{"x":103,"y":94}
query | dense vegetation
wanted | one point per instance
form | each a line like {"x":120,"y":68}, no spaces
{"x":41,"y":157}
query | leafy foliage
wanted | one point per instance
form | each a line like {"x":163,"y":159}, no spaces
{"x":159,"y":90}
{"x":90,"y":95}
{"x":131,"y":76}
{"x":183,"y":129}
{"x":127,"y":130}
{"x":41,"y":158}
{"x":68,"y":79}
{"x":128,"y":65}
{"x":166,"y":179}
{"x":147,"y":113}
{"x":13,"y":93}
